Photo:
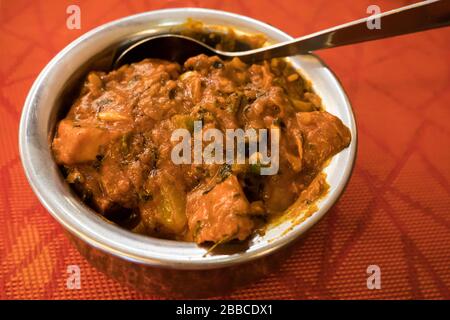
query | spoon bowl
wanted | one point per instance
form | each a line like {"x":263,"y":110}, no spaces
{"x":173,"y":47}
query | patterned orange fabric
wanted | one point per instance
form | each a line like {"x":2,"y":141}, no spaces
{"x":395,"y":212}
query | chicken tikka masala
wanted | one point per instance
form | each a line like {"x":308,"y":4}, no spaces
{"x":114,"y":145}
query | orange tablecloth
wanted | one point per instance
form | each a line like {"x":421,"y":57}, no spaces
{"x":395,"y":212}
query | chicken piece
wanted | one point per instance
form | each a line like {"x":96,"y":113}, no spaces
{"x":279,"y":191}
{"x":116,"y":184}
{"x":76,"y":144}
{"x":323,"y":135}
{"x":220,"y":214}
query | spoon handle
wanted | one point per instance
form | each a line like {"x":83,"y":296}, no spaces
{"x":420,"y":16}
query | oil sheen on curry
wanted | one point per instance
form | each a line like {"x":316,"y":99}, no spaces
{"x":114,"y":145}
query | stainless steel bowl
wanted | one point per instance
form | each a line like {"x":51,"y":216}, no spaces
{"x":164,"y":267}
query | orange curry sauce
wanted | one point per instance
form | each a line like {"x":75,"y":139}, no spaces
{"x":114,"y":146}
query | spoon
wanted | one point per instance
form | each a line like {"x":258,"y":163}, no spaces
{"x":420,"y":16}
